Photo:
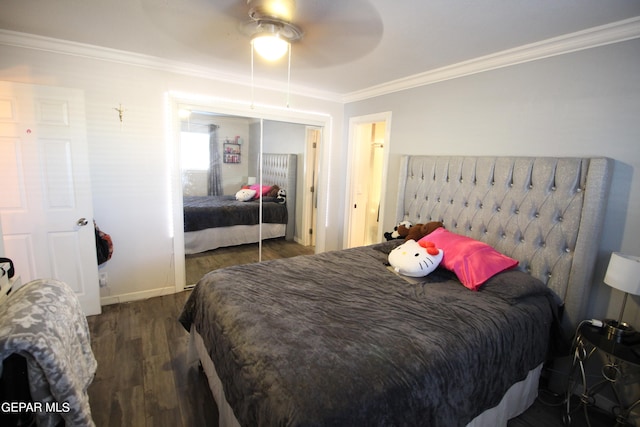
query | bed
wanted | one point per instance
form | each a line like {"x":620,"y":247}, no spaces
{"x":212,"y":222}
{"x":339,"y":339}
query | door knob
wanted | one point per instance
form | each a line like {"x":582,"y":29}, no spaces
{"x":82,"y":222}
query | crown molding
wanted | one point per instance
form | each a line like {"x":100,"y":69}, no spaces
{"x":82,"y":50}
{"x":586,"y":39}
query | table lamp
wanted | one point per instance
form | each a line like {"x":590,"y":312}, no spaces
{"x":623,"y":273}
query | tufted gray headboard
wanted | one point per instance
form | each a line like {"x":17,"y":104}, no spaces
{"x":281,"y":170}
{"x":545,"y":212}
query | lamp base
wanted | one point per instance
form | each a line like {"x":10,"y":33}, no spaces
{"x":618,"y":330}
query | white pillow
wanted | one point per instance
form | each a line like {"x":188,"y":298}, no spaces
{"x":414,"y":259}
{"x":245,"y":195}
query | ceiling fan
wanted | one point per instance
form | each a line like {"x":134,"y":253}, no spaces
{"x":322,"y":33}
{"x":271,"y":27}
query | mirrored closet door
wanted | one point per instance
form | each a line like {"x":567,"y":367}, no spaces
{"x":243,"y":185}
{"x":216,"y":155}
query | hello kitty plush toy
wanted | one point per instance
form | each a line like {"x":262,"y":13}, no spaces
{"x":415,"y":259}
{"x":245,"y":195}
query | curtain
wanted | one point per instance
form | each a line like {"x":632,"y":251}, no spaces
{"x":215,"y":170}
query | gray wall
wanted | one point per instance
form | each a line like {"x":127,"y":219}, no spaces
{"x":581,"y":104}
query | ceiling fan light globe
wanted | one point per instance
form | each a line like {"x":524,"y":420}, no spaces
{"x":270,"y":46}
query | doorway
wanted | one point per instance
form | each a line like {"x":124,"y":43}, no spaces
{"x":367,"y":164}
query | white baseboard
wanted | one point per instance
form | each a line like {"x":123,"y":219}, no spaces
{"x":136,"y":296}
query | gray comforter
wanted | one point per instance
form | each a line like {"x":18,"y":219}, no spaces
{"x":339,"y":339}
{"x":201,"y":212}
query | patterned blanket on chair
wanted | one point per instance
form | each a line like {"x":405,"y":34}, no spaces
{"x":43,"y":322}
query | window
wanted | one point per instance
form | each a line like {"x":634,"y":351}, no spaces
{"x":194,"y":153}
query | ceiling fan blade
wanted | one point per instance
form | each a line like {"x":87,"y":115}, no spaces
{"x":208,"y":27}
{"x":336,"y":32}
{"x":325,"y":50}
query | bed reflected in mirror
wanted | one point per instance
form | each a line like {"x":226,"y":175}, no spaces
{"x":241,"y":204}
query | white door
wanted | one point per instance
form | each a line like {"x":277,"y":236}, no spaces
{"x":310,"y":197}
{"x":360,"y":181}
{"x":46,"y":208}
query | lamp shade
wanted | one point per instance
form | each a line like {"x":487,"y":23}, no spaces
{"x":623,"y":273}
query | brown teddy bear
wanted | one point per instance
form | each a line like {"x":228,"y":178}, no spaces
{"x":418,"y":231}
{"x":400,"y":231}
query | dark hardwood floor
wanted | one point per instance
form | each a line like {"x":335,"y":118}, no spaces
{"x":143,"y":378}
{"x":197,"y":265}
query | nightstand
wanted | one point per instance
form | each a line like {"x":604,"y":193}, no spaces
{"x":619,"y":362}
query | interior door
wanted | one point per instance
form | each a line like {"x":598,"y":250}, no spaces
{"x":359,"y":186}
{"x":310,"y":194}
{"x":237,"y":146}
{"x":46,"y":207}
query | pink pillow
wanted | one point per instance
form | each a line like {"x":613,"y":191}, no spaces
{"x":260,"y":191}
{"x":473,"y":262}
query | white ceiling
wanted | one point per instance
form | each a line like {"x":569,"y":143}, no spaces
{"x":349,"y":45}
